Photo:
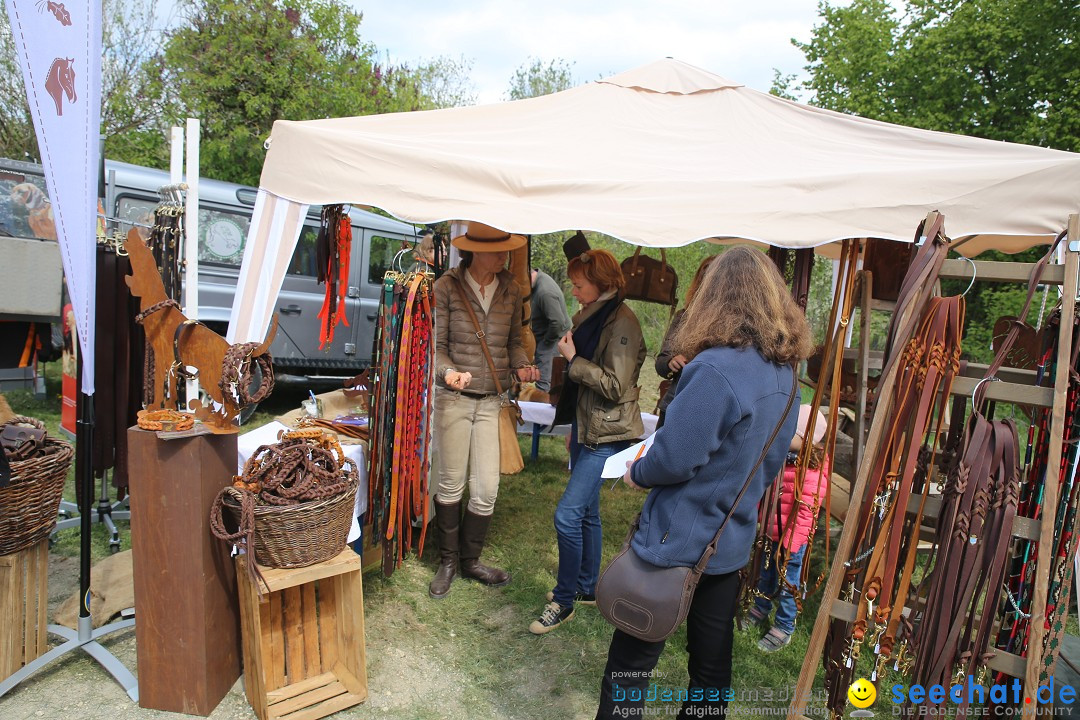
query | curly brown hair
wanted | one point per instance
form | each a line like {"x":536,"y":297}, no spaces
{"x":742,"y":301}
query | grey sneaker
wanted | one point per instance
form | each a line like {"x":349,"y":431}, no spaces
{"x":774,"y":640}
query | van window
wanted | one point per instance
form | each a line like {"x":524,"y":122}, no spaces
{"x":381,"y":258}
{"x":25,"y":210}
{"x":222,"y":234}
{"x":136,"y":210}
{"x":303,"y":260}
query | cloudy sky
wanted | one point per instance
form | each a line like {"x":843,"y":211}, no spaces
{"x":742,"y":40}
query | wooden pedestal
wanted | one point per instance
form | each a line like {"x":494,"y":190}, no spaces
{"x":187,"y":623}
{"x":24,"y":600}
{"x":304,"y":639}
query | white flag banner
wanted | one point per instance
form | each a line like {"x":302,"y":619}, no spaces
{"x":59,"y":47}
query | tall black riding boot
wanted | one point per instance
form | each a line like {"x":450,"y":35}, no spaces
{"x":474,"y":530}
{"x":447,"y":526}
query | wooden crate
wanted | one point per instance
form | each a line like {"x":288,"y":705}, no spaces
{"x":304,"y":639}
{"x":24,"y":600}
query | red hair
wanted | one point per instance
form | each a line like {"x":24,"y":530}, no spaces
{"x":600,"y":268}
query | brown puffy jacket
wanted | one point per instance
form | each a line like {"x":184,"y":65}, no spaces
{"x":456,"y":344}
{"x":607,"y":405}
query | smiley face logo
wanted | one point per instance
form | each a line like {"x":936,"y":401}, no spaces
{"x":862,"y":693}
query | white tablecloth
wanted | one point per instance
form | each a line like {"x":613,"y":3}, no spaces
{"x":267,"y":434}
{"x":543,"y":414}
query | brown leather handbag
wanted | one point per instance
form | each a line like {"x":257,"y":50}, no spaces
{"x":649,"y":279}
{"x":651,"y":602}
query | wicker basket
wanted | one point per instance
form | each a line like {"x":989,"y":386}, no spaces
{"x":31,"y":501}
{"x":290,"y":536}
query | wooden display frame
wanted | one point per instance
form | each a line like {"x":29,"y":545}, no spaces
{"x":1010,"y":390}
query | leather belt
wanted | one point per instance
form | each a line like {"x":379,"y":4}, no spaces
{"x":400,"y":416}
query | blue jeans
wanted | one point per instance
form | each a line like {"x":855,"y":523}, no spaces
{"x":577,"y":521}
{"x":785,"y":606}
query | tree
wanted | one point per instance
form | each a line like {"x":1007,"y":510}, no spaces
{"x":444,"y":82}
{"x":534,"y":79}
{"x":239,"y":66}
{"x":131,"y":119}
{"x":133,"y":122}
{"x":999,"y":69}
{"x":16,"y":129}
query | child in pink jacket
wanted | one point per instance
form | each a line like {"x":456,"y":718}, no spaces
{"x":794,"y":533}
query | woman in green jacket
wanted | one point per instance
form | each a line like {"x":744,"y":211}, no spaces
{"x":604,"y":352}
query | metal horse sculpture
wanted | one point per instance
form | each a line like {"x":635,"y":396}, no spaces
{"x":61,"y":81}
{"x":173,"y":337}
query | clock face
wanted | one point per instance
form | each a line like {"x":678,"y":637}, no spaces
{"x":224,"y":239}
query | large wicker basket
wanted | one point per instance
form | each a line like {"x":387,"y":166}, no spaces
{"x":289,"y":536}
{"x":30,"y":502}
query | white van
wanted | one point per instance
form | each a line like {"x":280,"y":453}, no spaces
{"x":224,"y":216}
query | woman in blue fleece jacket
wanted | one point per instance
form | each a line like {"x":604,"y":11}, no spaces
{"x":744,"y":335}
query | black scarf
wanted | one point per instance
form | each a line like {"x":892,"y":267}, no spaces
{"x":586,"y":339}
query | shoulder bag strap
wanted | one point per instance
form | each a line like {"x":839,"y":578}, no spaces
{"x":479,"y":333}
{"x":711,"y":549}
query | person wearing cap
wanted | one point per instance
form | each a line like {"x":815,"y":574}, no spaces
{"x":467,"y":399}
{"x":791,"y":527}
{"x":604,"y":353}
{"x":744,"y":337}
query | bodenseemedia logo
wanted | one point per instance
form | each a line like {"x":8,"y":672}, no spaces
{"x":1005,"y":698}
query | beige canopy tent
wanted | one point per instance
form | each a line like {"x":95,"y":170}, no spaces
{"x":663,"y":155}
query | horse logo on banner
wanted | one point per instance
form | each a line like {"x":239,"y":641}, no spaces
{"x":61,"y":81}
{"x":57,"y":9}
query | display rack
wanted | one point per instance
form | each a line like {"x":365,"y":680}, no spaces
{"x":1015,"y":386}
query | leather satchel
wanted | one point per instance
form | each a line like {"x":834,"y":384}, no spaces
{"x":510,"y":460}
{"x":649,"y":279}
{"x":651,"y":602}
{"x":22,"y":438}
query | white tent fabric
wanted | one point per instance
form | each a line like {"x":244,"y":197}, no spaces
{"x":275,"y":227}
{"x":668,"y":154}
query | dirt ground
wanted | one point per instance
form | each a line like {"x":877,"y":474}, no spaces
{"x":410,"y":674}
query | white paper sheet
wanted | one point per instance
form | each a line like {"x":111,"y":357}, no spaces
{"x":615,"y":466}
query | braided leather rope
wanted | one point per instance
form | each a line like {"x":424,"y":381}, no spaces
{"x":237,"y":374}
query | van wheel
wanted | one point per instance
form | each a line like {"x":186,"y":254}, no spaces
{"x":247,"y":412}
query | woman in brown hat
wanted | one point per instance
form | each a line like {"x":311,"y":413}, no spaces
{"x":467,"y":399}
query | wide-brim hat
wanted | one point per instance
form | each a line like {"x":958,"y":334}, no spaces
{"x":479,"y":237}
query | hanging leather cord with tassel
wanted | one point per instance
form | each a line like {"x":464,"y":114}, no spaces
{"x":332,"y":252}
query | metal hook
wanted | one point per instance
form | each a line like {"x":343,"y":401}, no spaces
{"x":974,"y":392}
{"x":974,"y":272}
{"x":396,"y":262}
